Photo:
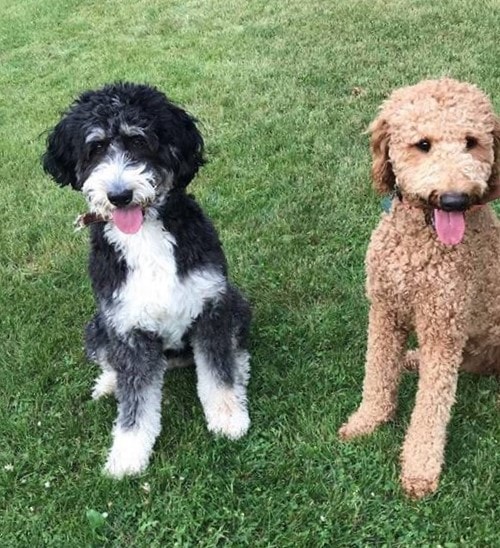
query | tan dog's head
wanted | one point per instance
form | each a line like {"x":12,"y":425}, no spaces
{"x":439,"y":141}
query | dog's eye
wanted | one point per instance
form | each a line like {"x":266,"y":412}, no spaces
{"x":137,"y":141}
{"x":424,"y":145}
{"x":470,"y":143}
{"x":97,"y":147}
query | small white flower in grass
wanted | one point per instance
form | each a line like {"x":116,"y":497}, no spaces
{"x":104,"y":515}
{"x":8,"y":467}
{"x":146,"y":487}
{"x":322,"y":519}
{"x":32,"y":509}
{"x":39,"y":423}
{"x":46,"y":484}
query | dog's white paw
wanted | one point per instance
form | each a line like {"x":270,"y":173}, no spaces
{"x":129,"y":455}
{"x":227,"y":415}
{"x":104,"y":385}
{"x":232,"y":426}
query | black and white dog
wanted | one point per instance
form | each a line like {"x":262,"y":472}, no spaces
{"x":157,"y":267}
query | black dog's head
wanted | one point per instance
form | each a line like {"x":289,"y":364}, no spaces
{"x":124,"y":146}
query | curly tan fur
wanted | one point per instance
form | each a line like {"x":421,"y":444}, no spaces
{"x":448,"y":294}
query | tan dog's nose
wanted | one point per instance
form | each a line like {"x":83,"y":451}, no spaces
{"x":454,"y":201}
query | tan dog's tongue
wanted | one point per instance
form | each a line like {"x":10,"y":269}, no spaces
{"x":129,"y":219}
{"x":450,"y":226}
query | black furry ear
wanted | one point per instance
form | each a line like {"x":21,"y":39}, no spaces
{"x":183,"y":144}
{"x":59,"y":157}
{"x":191,"y":156}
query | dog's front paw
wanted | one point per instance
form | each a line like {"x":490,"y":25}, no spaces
{"x":128,"y":456}
{"x":104,"y":385}
{"x":420,"y":467}
{"x":227,"y":416}
{"x":232,"y":425}
{"x":360,"y":423}
{"x":418,"y":487}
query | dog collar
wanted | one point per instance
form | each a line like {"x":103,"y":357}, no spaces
{"x":386,"y":201}
{"x":86,"y":219}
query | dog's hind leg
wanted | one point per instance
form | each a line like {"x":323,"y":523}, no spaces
{"x":140,"y":365}
{"x":222,"y":364}
{"x":485,"y":363}
{"x":96,"y":348}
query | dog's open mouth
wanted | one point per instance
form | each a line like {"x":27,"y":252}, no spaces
{"x":449,"y":225}
{"x":128,"y":219}
{"x":447,"y":214}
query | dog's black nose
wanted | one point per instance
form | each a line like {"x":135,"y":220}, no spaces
{"x":454,"y":201}
{"x":120,"y":199}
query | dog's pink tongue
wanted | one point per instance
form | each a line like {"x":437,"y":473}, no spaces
{"x":128,"y":219}
{"x":450,"y":226}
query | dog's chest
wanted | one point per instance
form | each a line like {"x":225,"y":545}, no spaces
{"x":414,"y":270}
{"x":154,"y":297}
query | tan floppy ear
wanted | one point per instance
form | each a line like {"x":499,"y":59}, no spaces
{"x":383,"y":177}
{"x":494,"y":180}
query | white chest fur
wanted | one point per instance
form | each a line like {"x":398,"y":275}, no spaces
{"x":154,"y":298}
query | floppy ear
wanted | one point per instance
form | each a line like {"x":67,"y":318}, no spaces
{"x":382,"y":173}
{"x":494,"y":180}
{"x":59,"y":157}
{"x":188,"y":149}
{"x":190,"y":155}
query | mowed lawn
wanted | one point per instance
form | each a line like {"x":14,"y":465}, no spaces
{"x":284,"y":92}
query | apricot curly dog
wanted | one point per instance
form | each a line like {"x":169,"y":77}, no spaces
{"x":433,"y":263}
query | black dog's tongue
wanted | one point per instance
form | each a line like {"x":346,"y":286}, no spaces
{"x":450,"y":226}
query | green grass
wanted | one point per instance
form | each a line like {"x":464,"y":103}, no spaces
{"x":284,"y":91}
